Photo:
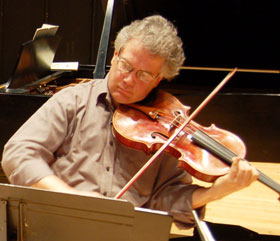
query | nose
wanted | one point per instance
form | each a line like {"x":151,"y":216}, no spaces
{"x":129,"y":78}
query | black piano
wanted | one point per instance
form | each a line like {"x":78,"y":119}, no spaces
{"x":218,"y":36}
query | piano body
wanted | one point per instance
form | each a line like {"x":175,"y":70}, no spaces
{"x":217,"y":37}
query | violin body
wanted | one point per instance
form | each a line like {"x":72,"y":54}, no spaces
{"x":147,"y":127}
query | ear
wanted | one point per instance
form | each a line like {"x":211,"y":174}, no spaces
{"x":157,"y":81}
{"x":116,"y":53}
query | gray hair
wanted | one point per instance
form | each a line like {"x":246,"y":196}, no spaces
{"x":160,"y":37}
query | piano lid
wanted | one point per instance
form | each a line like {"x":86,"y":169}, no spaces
{"x":34,"y":63}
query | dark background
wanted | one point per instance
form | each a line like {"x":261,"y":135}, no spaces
{"x":233,"y":33}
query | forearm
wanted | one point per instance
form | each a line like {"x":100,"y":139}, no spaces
{"x":240,"y":176}
{"x":202,"y":196}
{"x":54,"y":183}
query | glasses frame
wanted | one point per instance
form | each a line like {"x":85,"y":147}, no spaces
{"x":140,"y":74}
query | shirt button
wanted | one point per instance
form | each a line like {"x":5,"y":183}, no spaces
{"x":105,"y":193}
{"x":111,"y":143}
{"x":107,"y":169}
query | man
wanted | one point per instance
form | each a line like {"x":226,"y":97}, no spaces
{"x":68,"y":146}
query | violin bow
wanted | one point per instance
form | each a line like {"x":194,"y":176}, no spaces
{"x":167,"y":143}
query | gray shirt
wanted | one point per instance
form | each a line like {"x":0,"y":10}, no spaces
{"x":71,"y":137}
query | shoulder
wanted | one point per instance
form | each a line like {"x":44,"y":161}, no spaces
{"x":73,"y":100}
{"x":81,"y":93}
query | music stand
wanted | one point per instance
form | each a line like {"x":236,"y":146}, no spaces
{"x":35,"y":214}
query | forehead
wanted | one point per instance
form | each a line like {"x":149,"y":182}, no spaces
{"x":137,"y":55}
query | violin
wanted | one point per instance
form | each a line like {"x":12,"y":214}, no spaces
{"x":204,"y":152}
{"x":148,"y":127}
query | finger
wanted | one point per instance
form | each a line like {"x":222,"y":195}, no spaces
{"x":236,"y":159}
{"x":246,"y":173}
{"x":255,"y":174}
{"x":234,"y":167}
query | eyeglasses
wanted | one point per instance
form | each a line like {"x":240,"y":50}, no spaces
{"x":125,"y":67}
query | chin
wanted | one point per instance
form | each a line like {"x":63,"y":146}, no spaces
{"x":121,"y":99}
{"x":126,"y":102}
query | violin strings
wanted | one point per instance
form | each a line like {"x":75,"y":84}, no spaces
{"x":193,"y":129}
{"x":190,"y":128}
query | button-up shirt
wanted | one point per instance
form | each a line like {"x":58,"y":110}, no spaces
{"x":71,"y":137}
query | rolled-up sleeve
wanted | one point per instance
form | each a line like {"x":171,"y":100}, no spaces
{"x":28,"y":154}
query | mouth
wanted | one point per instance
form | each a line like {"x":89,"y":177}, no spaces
{"x":124,"y":91}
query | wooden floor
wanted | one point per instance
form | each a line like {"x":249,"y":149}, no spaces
{"x":256,"y":208}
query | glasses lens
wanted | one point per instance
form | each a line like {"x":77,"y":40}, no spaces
{"x":144,"y":76}
{"x":124,"y":65}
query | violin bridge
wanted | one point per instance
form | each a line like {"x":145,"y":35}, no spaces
{"x":176,"y":122}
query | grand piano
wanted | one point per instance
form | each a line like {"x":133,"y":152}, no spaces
{"x":218,"y":36}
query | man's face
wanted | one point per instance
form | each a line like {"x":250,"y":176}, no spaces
{"x":134,"y":73}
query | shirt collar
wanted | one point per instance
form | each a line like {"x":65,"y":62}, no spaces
{"x":104,"y":95}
